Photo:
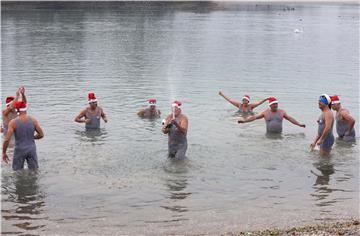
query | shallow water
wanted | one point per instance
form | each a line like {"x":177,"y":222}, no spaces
{"x":118,"y":180}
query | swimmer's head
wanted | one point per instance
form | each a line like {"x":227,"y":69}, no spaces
{"x":92,"y":100}
{"x":176,"y":108}
{"x":335,"y":102}
{"x":152,"y":104}
{"x":324,"y":101}
{"x":20,"y":106}
{"x":9,"y":100}
{"x":273,"y":103}
{"x":246,"y":99}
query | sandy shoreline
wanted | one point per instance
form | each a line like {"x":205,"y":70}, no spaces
{"x":348,"y":228}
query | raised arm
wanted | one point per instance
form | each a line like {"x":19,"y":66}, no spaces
{"x":232,"y":101}
{"x":252,"y":118}
{"x":22,"y":91}
{"x":254,"y":105}
{"x":8,"y":109}
{"x":349,"y":119}
{"x":39,"y":132}
{"x":292,"y":120}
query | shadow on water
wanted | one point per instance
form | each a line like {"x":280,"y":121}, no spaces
{"x":22,"y":190}
{"x":91,"y":136}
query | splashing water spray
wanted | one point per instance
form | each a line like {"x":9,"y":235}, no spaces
{"x":171,"y":86}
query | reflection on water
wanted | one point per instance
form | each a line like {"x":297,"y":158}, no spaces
{"x":322,"y":186}
{"x":176,"y":182}
{"x":22,"y":189}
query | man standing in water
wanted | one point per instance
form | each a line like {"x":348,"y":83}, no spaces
{"x":273,"y":117}
{"x":344,"y":121}
{"x":176,"y":126}
{"x":92,"y":114}
{"x":24,"y":128}
{"x":9,"y":112}
{"x":151,"y":111}
{"x":325,"y":138}
{"x":245,"y":107}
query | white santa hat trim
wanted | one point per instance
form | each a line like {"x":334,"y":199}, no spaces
{"x":22,"y":109}
{"x":246,"y":98}
{"x":273,"y":102}
{"x":93,"y":100}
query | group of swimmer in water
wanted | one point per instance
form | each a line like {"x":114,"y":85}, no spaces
{"x":25,"y":128}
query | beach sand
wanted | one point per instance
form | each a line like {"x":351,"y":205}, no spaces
{"x":348,"y":228}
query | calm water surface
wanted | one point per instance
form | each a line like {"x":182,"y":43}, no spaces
{"x":118,"y":180}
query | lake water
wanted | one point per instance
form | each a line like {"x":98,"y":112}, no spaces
{"x":118,"y":180}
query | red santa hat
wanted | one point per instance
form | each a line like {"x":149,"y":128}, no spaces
{"x":9,"y":100}
{"x":335,"y":99}
{"x":20,"y":106}
{"x":92,"y":98}
{"x":176,"y":103}
{"x":152,"y":102}
{"x":246,"y":97}
{"x":272,"y":100}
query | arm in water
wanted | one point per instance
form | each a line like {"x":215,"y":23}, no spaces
{"x":349,"y":119}
{"x":141,"y":113}
{"x":292,"y":120}
{"x":232,"y":101}
{"x":7,"y":139}
{"x":252,"y":118}
{"x":254,"y":105}
{"x":80,"y":116}
{"x":39,"y":132}
{"x":328,"y":120}
{"x":103,"y":115}
{"x":183,"y":126}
